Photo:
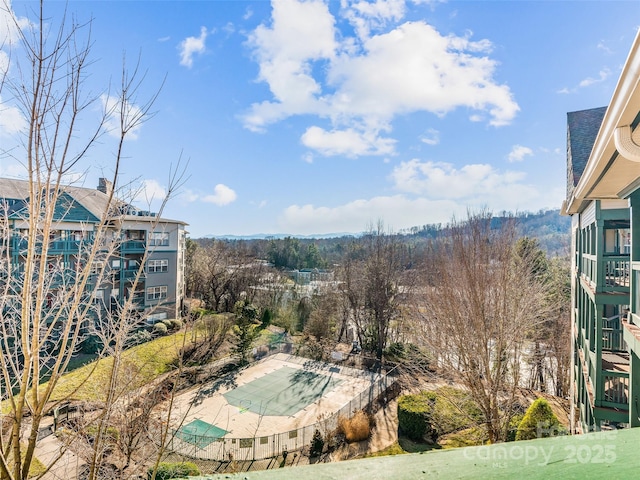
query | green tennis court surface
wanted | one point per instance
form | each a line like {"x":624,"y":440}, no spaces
{"x":200,"y":433}
{"x":282,"y":392}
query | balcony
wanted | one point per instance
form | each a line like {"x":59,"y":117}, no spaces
{"x":616,"y":271}
{"x":612,"y":340}
{"x":130,"y":275}
{"x":611,"y":275}
{"x":58,"y":247}
{"x":133,"y":246}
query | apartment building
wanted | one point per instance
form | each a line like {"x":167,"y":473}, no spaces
{"x":603,"y":199}
{"x":131,"y":238}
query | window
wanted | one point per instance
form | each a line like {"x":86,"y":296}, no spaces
{"x":159,"y":239}
{"x":96,"y":268}
{"x":115,"y":263}
{"x":156,"y":293}
{"x":157,"y":266}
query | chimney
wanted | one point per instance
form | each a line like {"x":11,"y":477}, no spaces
{"x":105,"y":186}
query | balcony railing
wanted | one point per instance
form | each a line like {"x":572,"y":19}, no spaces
{"x":64,"y":246}
{"x":616,"y":271}
{"x":612,"y":340}
{"x":588,"y":268}
{"x":130,"y":274}
{"x":616,"y":388}
{"x":612,"y":275}
{"x":133,"y":246}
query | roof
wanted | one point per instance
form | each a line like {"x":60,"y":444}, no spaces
{"x":582,"y":130}
{"x":612,"y":171}
{"x":612,"y":454}
{"x":75,"y":204}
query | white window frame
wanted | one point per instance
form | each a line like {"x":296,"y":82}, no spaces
{"x":159,"y":239}
{"x":156,"y":293}
{"x":158,"y":265}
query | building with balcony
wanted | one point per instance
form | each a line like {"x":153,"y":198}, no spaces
{"x":140,"y":257}
{"x":603,"y":199}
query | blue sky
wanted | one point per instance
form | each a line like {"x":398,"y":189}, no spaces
{"x":311,"y":117}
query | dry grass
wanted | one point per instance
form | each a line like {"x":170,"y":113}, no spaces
{"x":356,"y":428}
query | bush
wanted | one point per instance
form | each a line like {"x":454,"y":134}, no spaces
{"x":111,"y":434}
{"x":414,"y":416}
{"x":539,"y":421}
{"x":139,"y":337}
{"x":514,"y":423}
{"x":397,"y":350}
{"x":453,"y":409}
{"x":91,"y":344}
{"x":168,"y":470}
{"x":160,"y":329}
{"x":172,"y":324}
{"x":266,"y":318}
{"x":317,"y":444}
{"x":356,"y":428}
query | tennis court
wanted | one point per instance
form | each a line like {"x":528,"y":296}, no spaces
{"x":282,"y":392}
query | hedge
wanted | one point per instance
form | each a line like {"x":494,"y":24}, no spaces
{"x":167,"y":471}
{"x":414,"y":416}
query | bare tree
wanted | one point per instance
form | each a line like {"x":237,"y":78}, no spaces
{"x":375,"y":283}
{"x":559,"y":323}
{"x":477,"y":311}
{"x":220,"y":274}
{"x":48,"y":300}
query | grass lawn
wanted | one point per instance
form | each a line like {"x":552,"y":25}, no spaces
{"x":141,"y":364}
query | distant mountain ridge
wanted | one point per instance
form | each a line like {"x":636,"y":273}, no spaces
{"x":280,"y":236}
{"x":550,"y":228}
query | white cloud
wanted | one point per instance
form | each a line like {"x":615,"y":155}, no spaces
{"x":151,"y":191}
{"x":366,"y":16}
{"x":302,"y":32}
{"x":132,"y":118}
{"x":431,"y":137}
{"x":10,"y":25}
{"x":191,"y":46}
{"x":397,"y":212}
{"x":361,"y":83}
{"x":518,"y":152}
{"x":188,"y":196}
{"x":602,"y":46}
{"x":478,"y":183}
{"x":603,"y":75}
{"x":11,"y":119}
{"x":349,"y":142}
{"x":12,"y":169}
{"x":222,"y":195}
{"x":430,"y":193}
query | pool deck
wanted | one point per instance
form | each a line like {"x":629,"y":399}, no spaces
{"x":207,"y":403}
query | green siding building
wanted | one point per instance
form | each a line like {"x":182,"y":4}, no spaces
{"x":140,"y":236}
{"x":603,"y":199}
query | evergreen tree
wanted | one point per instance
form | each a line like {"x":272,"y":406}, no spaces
{"x":539,"y":421}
